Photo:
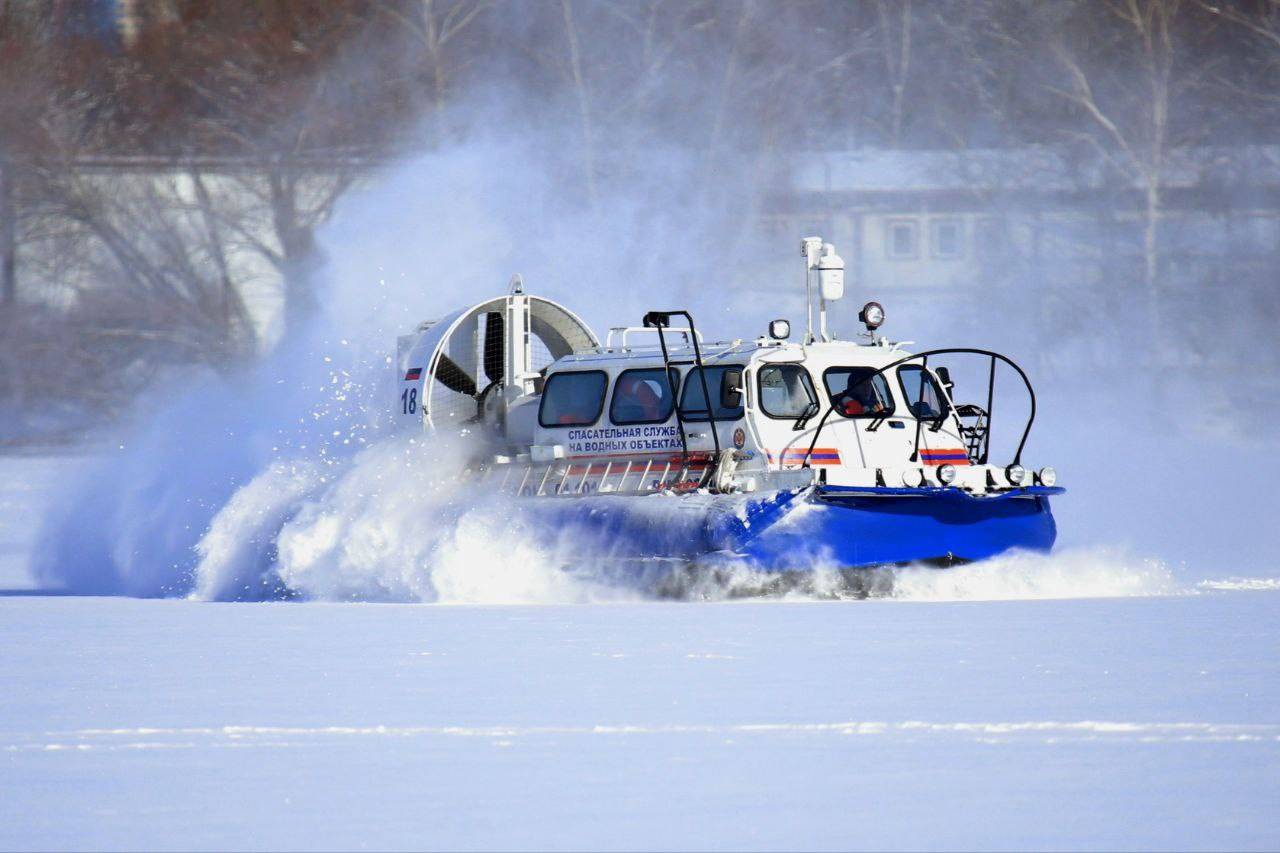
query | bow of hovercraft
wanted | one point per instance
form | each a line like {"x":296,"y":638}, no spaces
{"x":850,"y":527}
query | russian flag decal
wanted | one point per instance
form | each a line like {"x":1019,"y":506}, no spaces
{"x":414,"y":374}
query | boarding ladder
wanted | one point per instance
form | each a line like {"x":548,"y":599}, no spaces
{"x":660,"y":321}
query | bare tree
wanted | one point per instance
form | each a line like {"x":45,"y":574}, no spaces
{"x":1261,"y":20}
{"x":435,"y":25}
{"x":895,"y":37}
{"x":1128,"y":96}
{"x":295,"y":124}
{"x":1257,"y":85}
{"x":8,"y":237}
{"x":582,"y":95}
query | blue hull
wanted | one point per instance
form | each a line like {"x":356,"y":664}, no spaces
{"x":870,"y":527}
{"x":829,"y":526}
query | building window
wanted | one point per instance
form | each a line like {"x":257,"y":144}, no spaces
{"x":947,"y":238}
{"x":903,"y":240}
{"x":990,"y":238}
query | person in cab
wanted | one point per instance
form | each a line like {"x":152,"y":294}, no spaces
{"x":859,"y":397}
{"x":638,"y":402}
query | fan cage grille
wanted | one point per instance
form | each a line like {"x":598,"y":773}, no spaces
{"x":471,"y":346}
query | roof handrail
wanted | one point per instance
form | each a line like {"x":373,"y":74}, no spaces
{"x":689,"y":334}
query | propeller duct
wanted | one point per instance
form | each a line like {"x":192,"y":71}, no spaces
{"x":468,"y":352}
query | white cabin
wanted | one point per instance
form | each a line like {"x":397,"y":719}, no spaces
{"x":769,"y":401}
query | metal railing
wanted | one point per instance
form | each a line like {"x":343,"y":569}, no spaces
{"x":570,"y":477}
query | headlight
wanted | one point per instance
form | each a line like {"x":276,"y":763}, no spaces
{"x":946,"y":474}
{"x":1015,"y":474}
{"x":1048,"y":476}
{"x":872,"y":315}
{"x":913,"y":478}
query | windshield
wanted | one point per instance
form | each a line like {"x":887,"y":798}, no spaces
{"x":924,"y":397}
{"x":859,"y":392}
{"x":786,"y":391}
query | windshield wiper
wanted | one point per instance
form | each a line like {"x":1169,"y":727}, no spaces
{"x":805,"y":416}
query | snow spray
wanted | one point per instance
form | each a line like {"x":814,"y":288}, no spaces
{"x":285,"y":480}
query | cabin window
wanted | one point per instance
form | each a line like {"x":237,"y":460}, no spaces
{"x":786,"y":391}
{"x":693,"y":404}
{"x":947,"y":238}
{"x":924,"y":397}
{"x":903,"y":240}
{"x":573,"y":399}
{"x":859,"y":392}
{"x":644,"y":396}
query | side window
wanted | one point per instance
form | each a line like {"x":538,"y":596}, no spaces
{"x":921,"y":391}
{"x":573,"y":399}
{"x":947,"y":238}
{"x":643,"y":396}
{"x":786,"y":391}
{"x":902,"y":239}
{"x":859,"y":392}
{"x":693,"y":404}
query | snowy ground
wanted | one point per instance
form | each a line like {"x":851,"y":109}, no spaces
{"x":1144,"y":720}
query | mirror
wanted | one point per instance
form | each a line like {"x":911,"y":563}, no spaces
{"x":731,"y":388}
{"x":945,"y":376}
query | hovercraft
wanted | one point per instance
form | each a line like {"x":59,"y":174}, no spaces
{"x":656,"y":446}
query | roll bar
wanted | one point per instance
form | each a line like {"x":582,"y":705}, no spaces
{"x":923,"y":357}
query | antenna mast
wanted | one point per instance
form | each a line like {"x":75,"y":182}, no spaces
{"x":809,"y":247}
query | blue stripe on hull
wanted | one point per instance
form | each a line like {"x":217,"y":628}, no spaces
{"x":797,"y":531}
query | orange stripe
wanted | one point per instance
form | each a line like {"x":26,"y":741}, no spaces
{"x":822,"y":456}
{"x":802,"y":451}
